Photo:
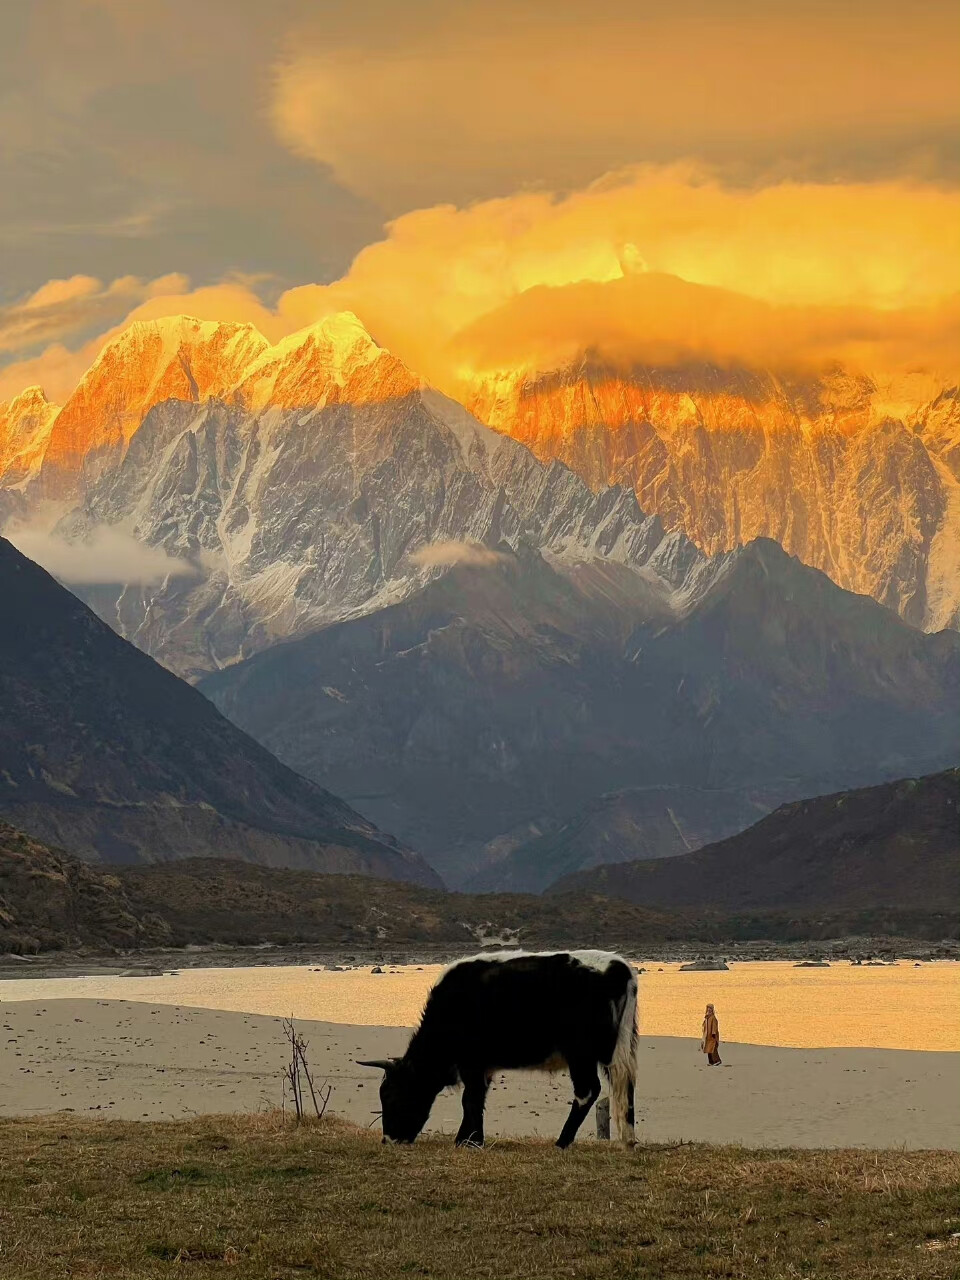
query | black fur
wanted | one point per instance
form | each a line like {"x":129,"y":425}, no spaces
{"x":526,"y":1011}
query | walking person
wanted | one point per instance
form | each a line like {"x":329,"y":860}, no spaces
{"x":710,"y":1041}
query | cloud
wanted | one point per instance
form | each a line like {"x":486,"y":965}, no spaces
{"x":850,"y":257}
{"x":802,"y":273}
{"x":660,"y":320}
{"x":232,"y":300}
{"x":58,"y":368}
{"x":60,"y":308}
{"x":135,"y":141}
{"x":107,"y":555}
{"x":422,"y":105}
{"x":443,"y":554}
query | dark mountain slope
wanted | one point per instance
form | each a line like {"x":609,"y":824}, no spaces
{"x":895,"y":845}
{"x":639,"y":822}
{"x":500,"y":700}
{"x":784,"y":674}
{"x":108,"y":754}
{"x":481,"y":703}
{"x":49,"y":901}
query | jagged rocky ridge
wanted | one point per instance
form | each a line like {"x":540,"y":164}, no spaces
{"x":308,"y":491}
{"x":857,"y":479}
{"x":110,"y":756}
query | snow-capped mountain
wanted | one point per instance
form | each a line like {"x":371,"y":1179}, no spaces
{"x":324,"y":482}
{"x":857,"y":479}
{"x":148,"y":363}
{"x":25,"y":425}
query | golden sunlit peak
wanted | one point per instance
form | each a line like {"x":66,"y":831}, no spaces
{"x":181,"y":357}
{"x":184,"y":328}
{"x":343,"y":327}
{"x":29,"y":396}
{"x":25,"y":424}
{"x":338,"y":334}
{"x":333,"y":358}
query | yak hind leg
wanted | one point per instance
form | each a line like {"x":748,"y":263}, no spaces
{"x":586,"y":1090}
{"x":475,"y":1085}
{"x":622,"y":1096}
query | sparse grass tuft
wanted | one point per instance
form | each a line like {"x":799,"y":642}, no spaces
{"x":256,"y":1199}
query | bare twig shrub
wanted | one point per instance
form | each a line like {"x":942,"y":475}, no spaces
{"x":297,"y":1071}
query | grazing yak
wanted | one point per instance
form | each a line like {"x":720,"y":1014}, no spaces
{"x":517,"y":1010}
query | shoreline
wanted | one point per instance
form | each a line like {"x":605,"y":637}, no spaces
{"x":71,"y":964}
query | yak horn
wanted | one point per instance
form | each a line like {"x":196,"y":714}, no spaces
{"x":382,"y":1063}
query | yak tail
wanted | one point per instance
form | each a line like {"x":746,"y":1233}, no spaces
{"x":622,"y":1071}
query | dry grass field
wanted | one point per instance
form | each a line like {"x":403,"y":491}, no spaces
{"x":256,"y":1198}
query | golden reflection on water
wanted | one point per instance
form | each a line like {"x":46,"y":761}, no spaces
{"x":891,"y":1007}
{"x":768,"y":1002}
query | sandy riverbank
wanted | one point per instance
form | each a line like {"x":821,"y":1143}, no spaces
{"x":140,"y":1061}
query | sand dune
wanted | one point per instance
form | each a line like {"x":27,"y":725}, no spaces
{"x":136,"y":1060}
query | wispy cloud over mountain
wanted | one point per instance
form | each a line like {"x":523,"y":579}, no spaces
{"x":443,"y":554}
{"x":107,"y":555}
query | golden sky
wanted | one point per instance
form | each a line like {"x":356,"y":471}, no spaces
{"x":486,"y":185}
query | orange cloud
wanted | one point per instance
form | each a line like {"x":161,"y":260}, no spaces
{"x":232,"y":300}
{"x":845,"y":258}
{"x":58,"y":369}
{"x":661,"y":320}
{"x":794,"y":272}
{"x":62,"y":307}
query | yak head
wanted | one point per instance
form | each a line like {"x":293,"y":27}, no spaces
{"x":405,"y":1098}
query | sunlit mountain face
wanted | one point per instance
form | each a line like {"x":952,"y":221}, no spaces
{"x":856,"y":476}
{"x":188,"y":360}
{"x":822,"y":465}
{"x":324,"y":479}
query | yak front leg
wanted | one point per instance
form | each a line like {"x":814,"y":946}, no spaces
{"x":586,"y":1090}
{"x":475,"y":1084}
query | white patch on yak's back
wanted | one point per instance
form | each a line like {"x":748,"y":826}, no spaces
{"x":598,"y":960}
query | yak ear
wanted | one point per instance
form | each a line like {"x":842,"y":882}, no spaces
{"x":384,"y":1064}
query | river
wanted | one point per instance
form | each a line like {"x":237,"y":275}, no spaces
{"x":902,"y":1006}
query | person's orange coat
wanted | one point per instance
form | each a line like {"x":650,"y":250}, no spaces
{"x":710,"y":1041}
